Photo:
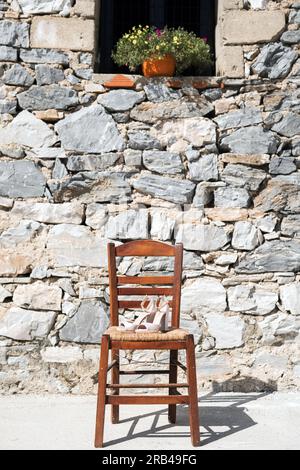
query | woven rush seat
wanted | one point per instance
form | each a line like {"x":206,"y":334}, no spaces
{"x":176,"y":334}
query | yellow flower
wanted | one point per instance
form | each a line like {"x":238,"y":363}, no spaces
{"x":134,"y":41}
{"x":157,"y":48}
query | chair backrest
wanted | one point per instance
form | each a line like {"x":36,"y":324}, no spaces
{"x":167,"y":285}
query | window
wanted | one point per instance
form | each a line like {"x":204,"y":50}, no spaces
{"x":118,"y":16}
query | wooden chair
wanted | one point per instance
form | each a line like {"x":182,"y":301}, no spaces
{"x":173,"y":340}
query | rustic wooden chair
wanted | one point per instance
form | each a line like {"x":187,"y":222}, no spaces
{"x":173,"y":340}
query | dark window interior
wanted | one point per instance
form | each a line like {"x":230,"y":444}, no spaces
{"x":119,"y":16}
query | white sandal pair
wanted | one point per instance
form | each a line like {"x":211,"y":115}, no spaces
{"x":154,"y":318}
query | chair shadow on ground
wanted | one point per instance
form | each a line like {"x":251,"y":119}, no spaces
{"x":220,"y":415}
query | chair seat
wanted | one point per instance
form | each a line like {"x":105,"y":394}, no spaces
{"x":175,"y":334}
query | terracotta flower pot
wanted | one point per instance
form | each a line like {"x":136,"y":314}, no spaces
{"x":159,"y":67}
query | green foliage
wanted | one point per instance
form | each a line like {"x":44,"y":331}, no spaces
{"x":148,"y":42}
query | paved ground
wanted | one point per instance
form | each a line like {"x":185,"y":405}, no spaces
{"x":228,"y":421}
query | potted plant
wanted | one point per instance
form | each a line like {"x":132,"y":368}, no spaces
{"x":161,"y":51}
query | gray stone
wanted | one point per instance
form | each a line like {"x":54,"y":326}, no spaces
{"x":226,"y":259}
{"x":26,"y":325}
{"x":38,"y":296}
{"x":275,"y":362}
{"x":204,"y":169}
{"x":173,"y":190}
{"x":227,"y":331}
{"x":279,"y":195}
{"x":291,"y":37}
{"x":59,"y":170}
{"x":231,"y":197}
{"x":200,"y":237}
{"x":92,"y":162}
{"x":8,"y":54}
{"x":282,"y":166}
{"x":120,"y":100}
{"x":140,"y":140}
{"x":213,"y":94}
{"x":21,"y":179}
{"x":76,"y":245}
{"x":246,"y":236}
{"x":6,"y":203}
{"x":152,"y":112}
{"x":39,"y":272}
{"x":162,"y":225}
{"x":203,"y":295}
{"x":88,"y":324}
{"x":27,"y":130}
{"x":279,"y":326}
{"x":288,"y":126}
{"x":203,"y":195}
{"x":128,"y":225}
{"x":133,"y":158}
{"x":92,"y":186}
{"x":90,"y":130}
{"x":13,"y":33}
{"x":96,"y":215}
{"x":247,"y":116}
{"x":290,"y":297}
{"x":274,"y":61}
{"x":158,"y":92}
{"x":294,"y":17}
{"x":272,"y":256}
{"x":50,"y":213}
{"x":18,"y":76}
{"x":44,"y":56}
{"x":31,"y":7}
{"x":47,"y":97}
{"x":46,"y":75}
{"x":24,"y":232}
{"x":84,"y":73}
{"x":250,"y":140}
{"x":192,"y":262}
{"x":162,"y":162}
{"x":290,"y":226}
{"x":243,"y":176}
{"x":213,"y":367}
{"x":14,"y":264}
{"x":251,"y":299}
{"x":267,"y":224}
{"x":8,"y":106}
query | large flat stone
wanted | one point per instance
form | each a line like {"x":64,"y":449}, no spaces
{"x":243,"y":176}
{"x":88,"y":324}
{"x":38,"y":296}
{"x":8,"y":54}
{"x":47,"y":97}
{"x":173,"y":190}
{"x":73,"y":34}
{"x":31,"y":7}
{"x":272,"y":256}
{"x":92,"y":186}
{"x":14,"y":264}
{"x":243,"y":117}
{"x":24,"y":232}
{"x":200,"y":237}
{"x":76,"y":245}
{"x":118,"y":101}
{"x":18,"y":76}
{"x":128,"y":225}
{"x":252,"y":299}
{"x":288,"y":126}
{"x":290,"y":225}
{"x":26,"y":325}
{"x":50,"y":213}
{"x":290,"y":297}
{"x":13,"y":33}
{"x":196,"y":131}
{"x":90,"y":130}
{"x":246,"y":236}
{"x":21,"y":179}
{"x":162,"y":162}
{"x":44,"y":56}
{"x":46,"y":75}
{"x":27,"y":130}
{"x":250,"y":140}
{"x":278,"y":327}
{"x":227,"y":331}
{"x":252,"y":27}
{"x":204,"y":169}
{"x":203,"y":295}
{"x":279,"y":195}
{"x":92,"y":162}
{"x":230,"y":196}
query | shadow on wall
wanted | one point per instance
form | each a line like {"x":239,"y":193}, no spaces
{"x":244,"y":385}
{"x":220,"y":416}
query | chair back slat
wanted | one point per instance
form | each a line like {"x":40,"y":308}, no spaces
{"x":151,"y":285}
{"x":161,"y":280}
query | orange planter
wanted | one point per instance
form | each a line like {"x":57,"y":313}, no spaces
{"x":159,"y":67}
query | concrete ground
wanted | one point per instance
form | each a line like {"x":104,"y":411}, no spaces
{"x":228,"y":421}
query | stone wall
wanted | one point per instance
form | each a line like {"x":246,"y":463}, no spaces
{"x":216,"y":168}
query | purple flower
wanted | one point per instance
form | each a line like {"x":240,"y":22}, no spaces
{"x":204,"y":38}
{"x":158,"y":32}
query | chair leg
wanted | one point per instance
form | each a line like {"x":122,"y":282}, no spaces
{"x":192,"y":382}
{"x":115,"y":379}
{"x":101,"y":399}
{"x":172,"y":379}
